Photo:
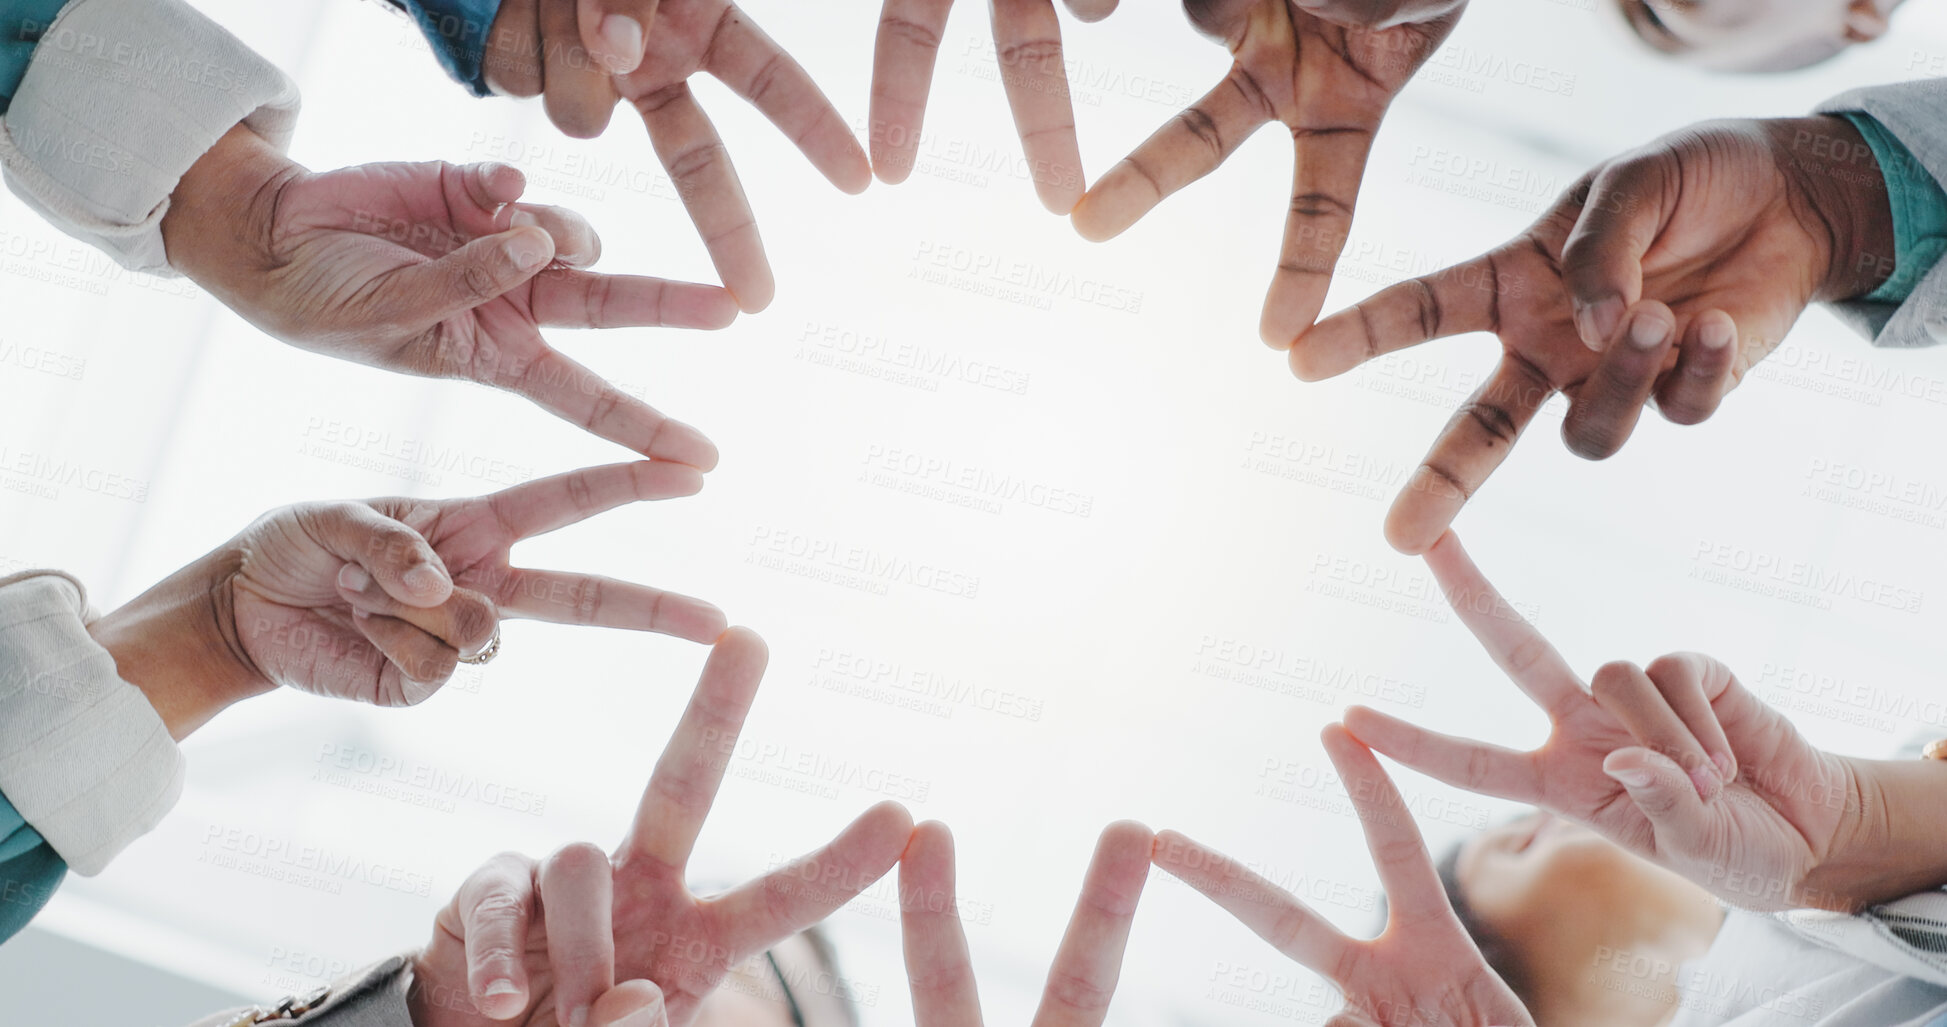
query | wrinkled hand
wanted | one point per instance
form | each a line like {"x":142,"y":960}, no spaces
{"x":376,"y":601}
{"x":537,"y":48}
{"x":1667,"y":272}
{"x":533,"y":944}
{"x":428,"y":269}
{"x":1679,"y":764}
{"x":1027,"y":45}
{"x":1328,"y":83}
{"x":1423,"y":969}
{"x":1083,"y":976}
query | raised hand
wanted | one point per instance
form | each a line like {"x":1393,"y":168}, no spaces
{"x":533,"y":943}
{"x":1667,"y":272}
{"x":537,"y":48}
{"x":1423,"y":970}
{"x":1329,"y":83}
{"x":1027,"y":43}
{"x":1083,"y":977}
{"x":428,"y":269}
{"x":1679,"y":764}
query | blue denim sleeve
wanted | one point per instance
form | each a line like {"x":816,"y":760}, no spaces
{"x":29,"y":871}
{"x":1919,"y":208}
{"x":21,"y":25}
{"x":457,"y":30}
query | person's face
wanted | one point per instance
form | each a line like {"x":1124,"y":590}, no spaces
{"x":1529,"y":878}
{"x":752,"y":995}
{"x":1756,"y":35}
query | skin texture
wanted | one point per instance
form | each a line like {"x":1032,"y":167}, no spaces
{"x":1082,"y":978}
{"x":1757,"y":35}
{"x":1027,"y":43}
{"x":1328,"y":84}
{"x":1422,"y":969}
{"x":1666,"y":273}
{"x":1561,"y":896}
{"x":430,"y":270}
{"x":536,"y":48}
{"x":376,"y":601}
{"x":531,"y":943}
{"x":1678,"y":763}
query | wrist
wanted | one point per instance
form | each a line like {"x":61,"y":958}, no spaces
{"x":178,"y":644}
{"x":1840,"y":192}
{"x":219,"y":228}
{"x":1892,"y":839}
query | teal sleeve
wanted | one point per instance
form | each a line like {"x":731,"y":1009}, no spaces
{"x":1919,"y":209}
{"x":21,"y":25}
{"x":29,"y":871}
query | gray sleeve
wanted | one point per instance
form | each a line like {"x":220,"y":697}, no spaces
{"x":1916,"y":114}
{"x":372,"y":997}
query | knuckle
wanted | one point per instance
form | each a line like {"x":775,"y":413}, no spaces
{"x":575,"y":858}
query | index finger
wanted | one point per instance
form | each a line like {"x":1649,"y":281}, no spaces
{"x":1082,"y":979}
{"x":1451,"y":301}
{"x":581,"y":397}
{"x":903,"y":59}
{"x":1190,"y":146}
{"x":1413,"y":891}
{"x":757,"y":69}
{"x":1027,"y":46}
{"x":1268,"y":910}
{"x":938,"y":969}
{"x":692,"y":766}
{"x":1513,"y":643}
{"x":1475,"y":442}
{"x":549,"y":504}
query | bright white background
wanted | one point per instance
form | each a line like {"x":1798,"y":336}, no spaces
{"x":1093,"y":674}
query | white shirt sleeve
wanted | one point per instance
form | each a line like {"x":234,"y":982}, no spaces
{"x":119,"y":99}
{"x":84,"y":758}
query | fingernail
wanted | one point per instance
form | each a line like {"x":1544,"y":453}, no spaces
{"x":1726,"y":767}
{"x":1716,"y":334}
{"x":1597,"y":321}
{"x":649,"y":1015}
{"x":522,"y":219}
{"x":352,"y":578}
{"x":578,"y":1018}
{"x":623,"y":35}
{"x":1632,"y":777}
{"x":1708,"y":781}
{"x":1648,"y":332}
{"x":523,"y":252}
{"x":424,"y":577}
{"x":497,"y":988}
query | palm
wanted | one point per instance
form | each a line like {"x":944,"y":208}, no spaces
{"x":1767,"y":827}
{"x":1386,"y":982}
{"x":1725,"y":241}
{"x":1729,"y":241}
{"x":1329,"y":84}
{"x":297,"y":628}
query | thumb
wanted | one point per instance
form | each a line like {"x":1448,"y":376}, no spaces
{"x":1665,"y":795}
{"x":630,"y":1004}
{"x":1602,"y":260}
{"x":430,"y":292}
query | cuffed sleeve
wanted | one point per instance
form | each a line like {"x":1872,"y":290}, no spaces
{"x":119,"y":99}
{"x":457,"y":31}
{"x":84,"y":757}
{"x":372,"y":997}
{"x":1910,"y":113}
